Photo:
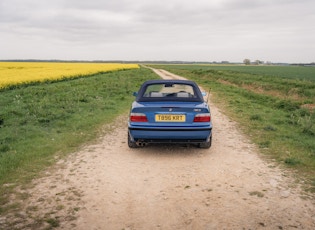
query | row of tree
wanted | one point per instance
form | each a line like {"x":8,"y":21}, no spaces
{"x":256,"y":62}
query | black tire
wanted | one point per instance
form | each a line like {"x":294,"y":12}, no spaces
{"x":131,"y":144}
{"x":206,"y":145}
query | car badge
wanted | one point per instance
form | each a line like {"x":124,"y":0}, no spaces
{"x":170,"y":109}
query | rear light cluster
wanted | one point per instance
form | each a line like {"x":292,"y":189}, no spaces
{"x":202,"y":117}
{"x":138,"y":117}
{"x":141,"y":117}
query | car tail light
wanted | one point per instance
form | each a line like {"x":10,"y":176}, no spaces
{"x":138,"y":117}
{"x":202,"y":117}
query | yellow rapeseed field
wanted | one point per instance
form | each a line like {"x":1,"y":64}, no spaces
{"x":14,"y":73}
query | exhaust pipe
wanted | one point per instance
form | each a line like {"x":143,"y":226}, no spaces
{"x":141,"y":143}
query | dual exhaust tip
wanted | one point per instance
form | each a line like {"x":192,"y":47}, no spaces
{"x":141,"y":143}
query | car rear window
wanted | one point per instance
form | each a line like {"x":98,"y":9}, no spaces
{"x":169,"y":91}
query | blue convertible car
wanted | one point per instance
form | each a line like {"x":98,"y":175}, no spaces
{"x":169,"y":111}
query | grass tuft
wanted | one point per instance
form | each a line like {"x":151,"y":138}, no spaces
{"x":255,"y":117}
{"x":292,"y":161}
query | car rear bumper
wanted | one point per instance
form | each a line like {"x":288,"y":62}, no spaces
{"x":170,"y":135}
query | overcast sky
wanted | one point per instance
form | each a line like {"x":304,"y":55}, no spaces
{"x":185,"y":30}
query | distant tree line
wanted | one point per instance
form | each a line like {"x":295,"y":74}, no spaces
{"x":256,"y":62}
{"x":247,"y":61}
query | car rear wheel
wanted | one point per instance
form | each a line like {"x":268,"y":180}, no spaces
{"x":206,"y":145}
{"x":131,"y":143}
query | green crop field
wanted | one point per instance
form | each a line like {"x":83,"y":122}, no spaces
{"x":274,"y":105}
{"x":293,"y":72}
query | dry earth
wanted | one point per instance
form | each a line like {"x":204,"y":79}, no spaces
{"x":109,"y":186}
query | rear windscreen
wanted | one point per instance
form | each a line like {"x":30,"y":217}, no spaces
{"x":169,"y":91}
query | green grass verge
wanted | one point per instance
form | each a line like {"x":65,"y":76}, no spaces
{"x":39,"y":120}
{"x":270,"y":110}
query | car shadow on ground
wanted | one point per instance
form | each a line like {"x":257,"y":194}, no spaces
{"x":180,"y":150}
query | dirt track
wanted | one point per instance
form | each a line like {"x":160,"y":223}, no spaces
{"x":109,"y":186}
